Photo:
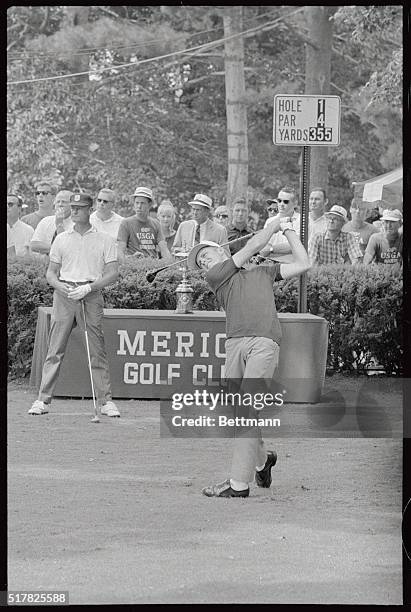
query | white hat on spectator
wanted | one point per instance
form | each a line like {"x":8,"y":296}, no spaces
{"x":145,"y":192}
{"x":391,"y":215}
{"x":338,"y":211}
{"x":203,"y":200}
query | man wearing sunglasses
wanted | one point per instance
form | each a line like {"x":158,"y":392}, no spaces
{"x":18,"y":232}
{"x":45,"y":193}
{"x":221,"y":215}
{"x":278,"y":247}
{"x":104,"y":218}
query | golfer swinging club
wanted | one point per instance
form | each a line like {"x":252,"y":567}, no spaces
{"x":253,"y":335}
{"x":82,"y":262}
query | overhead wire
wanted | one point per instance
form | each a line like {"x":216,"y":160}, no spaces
{"x":88,"y":50}
{"x":210,"y":44}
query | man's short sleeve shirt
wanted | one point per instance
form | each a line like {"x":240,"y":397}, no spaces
{"x":142,"y":236}
{"x":247,"y":298}
{"x":381,"y":251}
{"x":83,"y":257}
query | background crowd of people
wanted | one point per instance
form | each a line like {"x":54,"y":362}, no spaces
{"x":335,"y":235}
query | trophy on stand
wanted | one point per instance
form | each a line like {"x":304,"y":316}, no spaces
{"x":184,"y":291}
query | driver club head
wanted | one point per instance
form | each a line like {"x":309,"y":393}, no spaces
{"x":150,"y":276}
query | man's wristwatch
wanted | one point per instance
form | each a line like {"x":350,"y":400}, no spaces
{"x":286,"y":225}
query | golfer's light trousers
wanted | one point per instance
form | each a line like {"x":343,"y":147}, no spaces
{"x":250,"y":358}
{"x":65,"y":315}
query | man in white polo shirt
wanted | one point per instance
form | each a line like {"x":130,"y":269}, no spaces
{"x":104,"y":218}
{"x":48,"y":228}
{"x":18,"y":233}
{"x":82,"y":262}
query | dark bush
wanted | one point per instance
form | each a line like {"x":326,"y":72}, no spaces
{"x":362,"y":304}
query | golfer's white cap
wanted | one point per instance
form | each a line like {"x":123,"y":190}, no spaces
{"x":192,"y":256}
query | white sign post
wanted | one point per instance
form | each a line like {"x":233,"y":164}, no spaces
{"x":306,"y":120}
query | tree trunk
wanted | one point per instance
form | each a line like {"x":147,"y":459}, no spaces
{"x":317,"y":77}
{"x":73,"y":16}
{"x":236,"y":111}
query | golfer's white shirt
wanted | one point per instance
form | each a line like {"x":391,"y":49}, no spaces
{"x":82,"y":257}
{"x":109,"y":226}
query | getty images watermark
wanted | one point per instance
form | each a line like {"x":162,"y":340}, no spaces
{"x":367,"y":408}
{"x":232,"y":408}
{"x":224,"y":399}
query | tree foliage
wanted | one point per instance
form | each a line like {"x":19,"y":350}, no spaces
{"x":163,"y":122}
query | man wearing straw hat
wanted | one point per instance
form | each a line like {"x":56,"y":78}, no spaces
{"x":141,"y":235}
{"x":201,"y":227}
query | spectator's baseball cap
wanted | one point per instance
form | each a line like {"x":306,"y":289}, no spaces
{"x":203,"y":200}
{"x":81,"y":199}
{"x":192,"y":256}
{"x":338,"y":211}
{"x":391,"y":215}
{"x":144,"y":192}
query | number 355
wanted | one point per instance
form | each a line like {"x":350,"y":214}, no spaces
{"x":321,"y":134}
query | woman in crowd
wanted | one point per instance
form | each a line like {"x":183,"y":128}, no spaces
{"x":166,"y":214}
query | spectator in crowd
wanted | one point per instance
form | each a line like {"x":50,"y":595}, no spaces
{"x":373,"y":215}
{"x":141,"y":235}
{"x":153,"y":212}
{"x":48,"y":228}
{"x":166,"y":214}
{"x":253,"y":220}
{"x":222,"y":215}
{"x":45,"y":197}
{"x":201,"y":227}
{"x":278,"y":247}
{"x":377,"y":223}
{"x":239,"y":225}
{"x":82,"y":262}
{"x":334,"y":246}
{"x":317,"y":222}
{"x":18,"y":233}
{"x":272,"y":209}
{"x":360,"y":229}
{"x":104,"y":218}
{"x":386,"y":246}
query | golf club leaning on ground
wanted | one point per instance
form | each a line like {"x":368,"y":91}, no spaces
{"x":151,"y":274}
{"x":95,"y":419}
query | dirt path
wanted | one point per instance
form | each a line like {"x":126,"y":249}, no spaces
{"x":113,"y":514}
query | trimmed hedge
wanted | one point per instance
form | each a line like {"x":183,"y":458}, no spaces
{"x":362,"y":304}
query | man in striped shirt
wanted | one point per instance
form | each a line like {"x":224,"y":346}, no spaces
{"x":334,"y":246}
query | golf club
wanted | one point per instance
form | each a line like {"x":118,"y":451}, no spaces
{"x":95,"y":419}
{"x":151,"y":274}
